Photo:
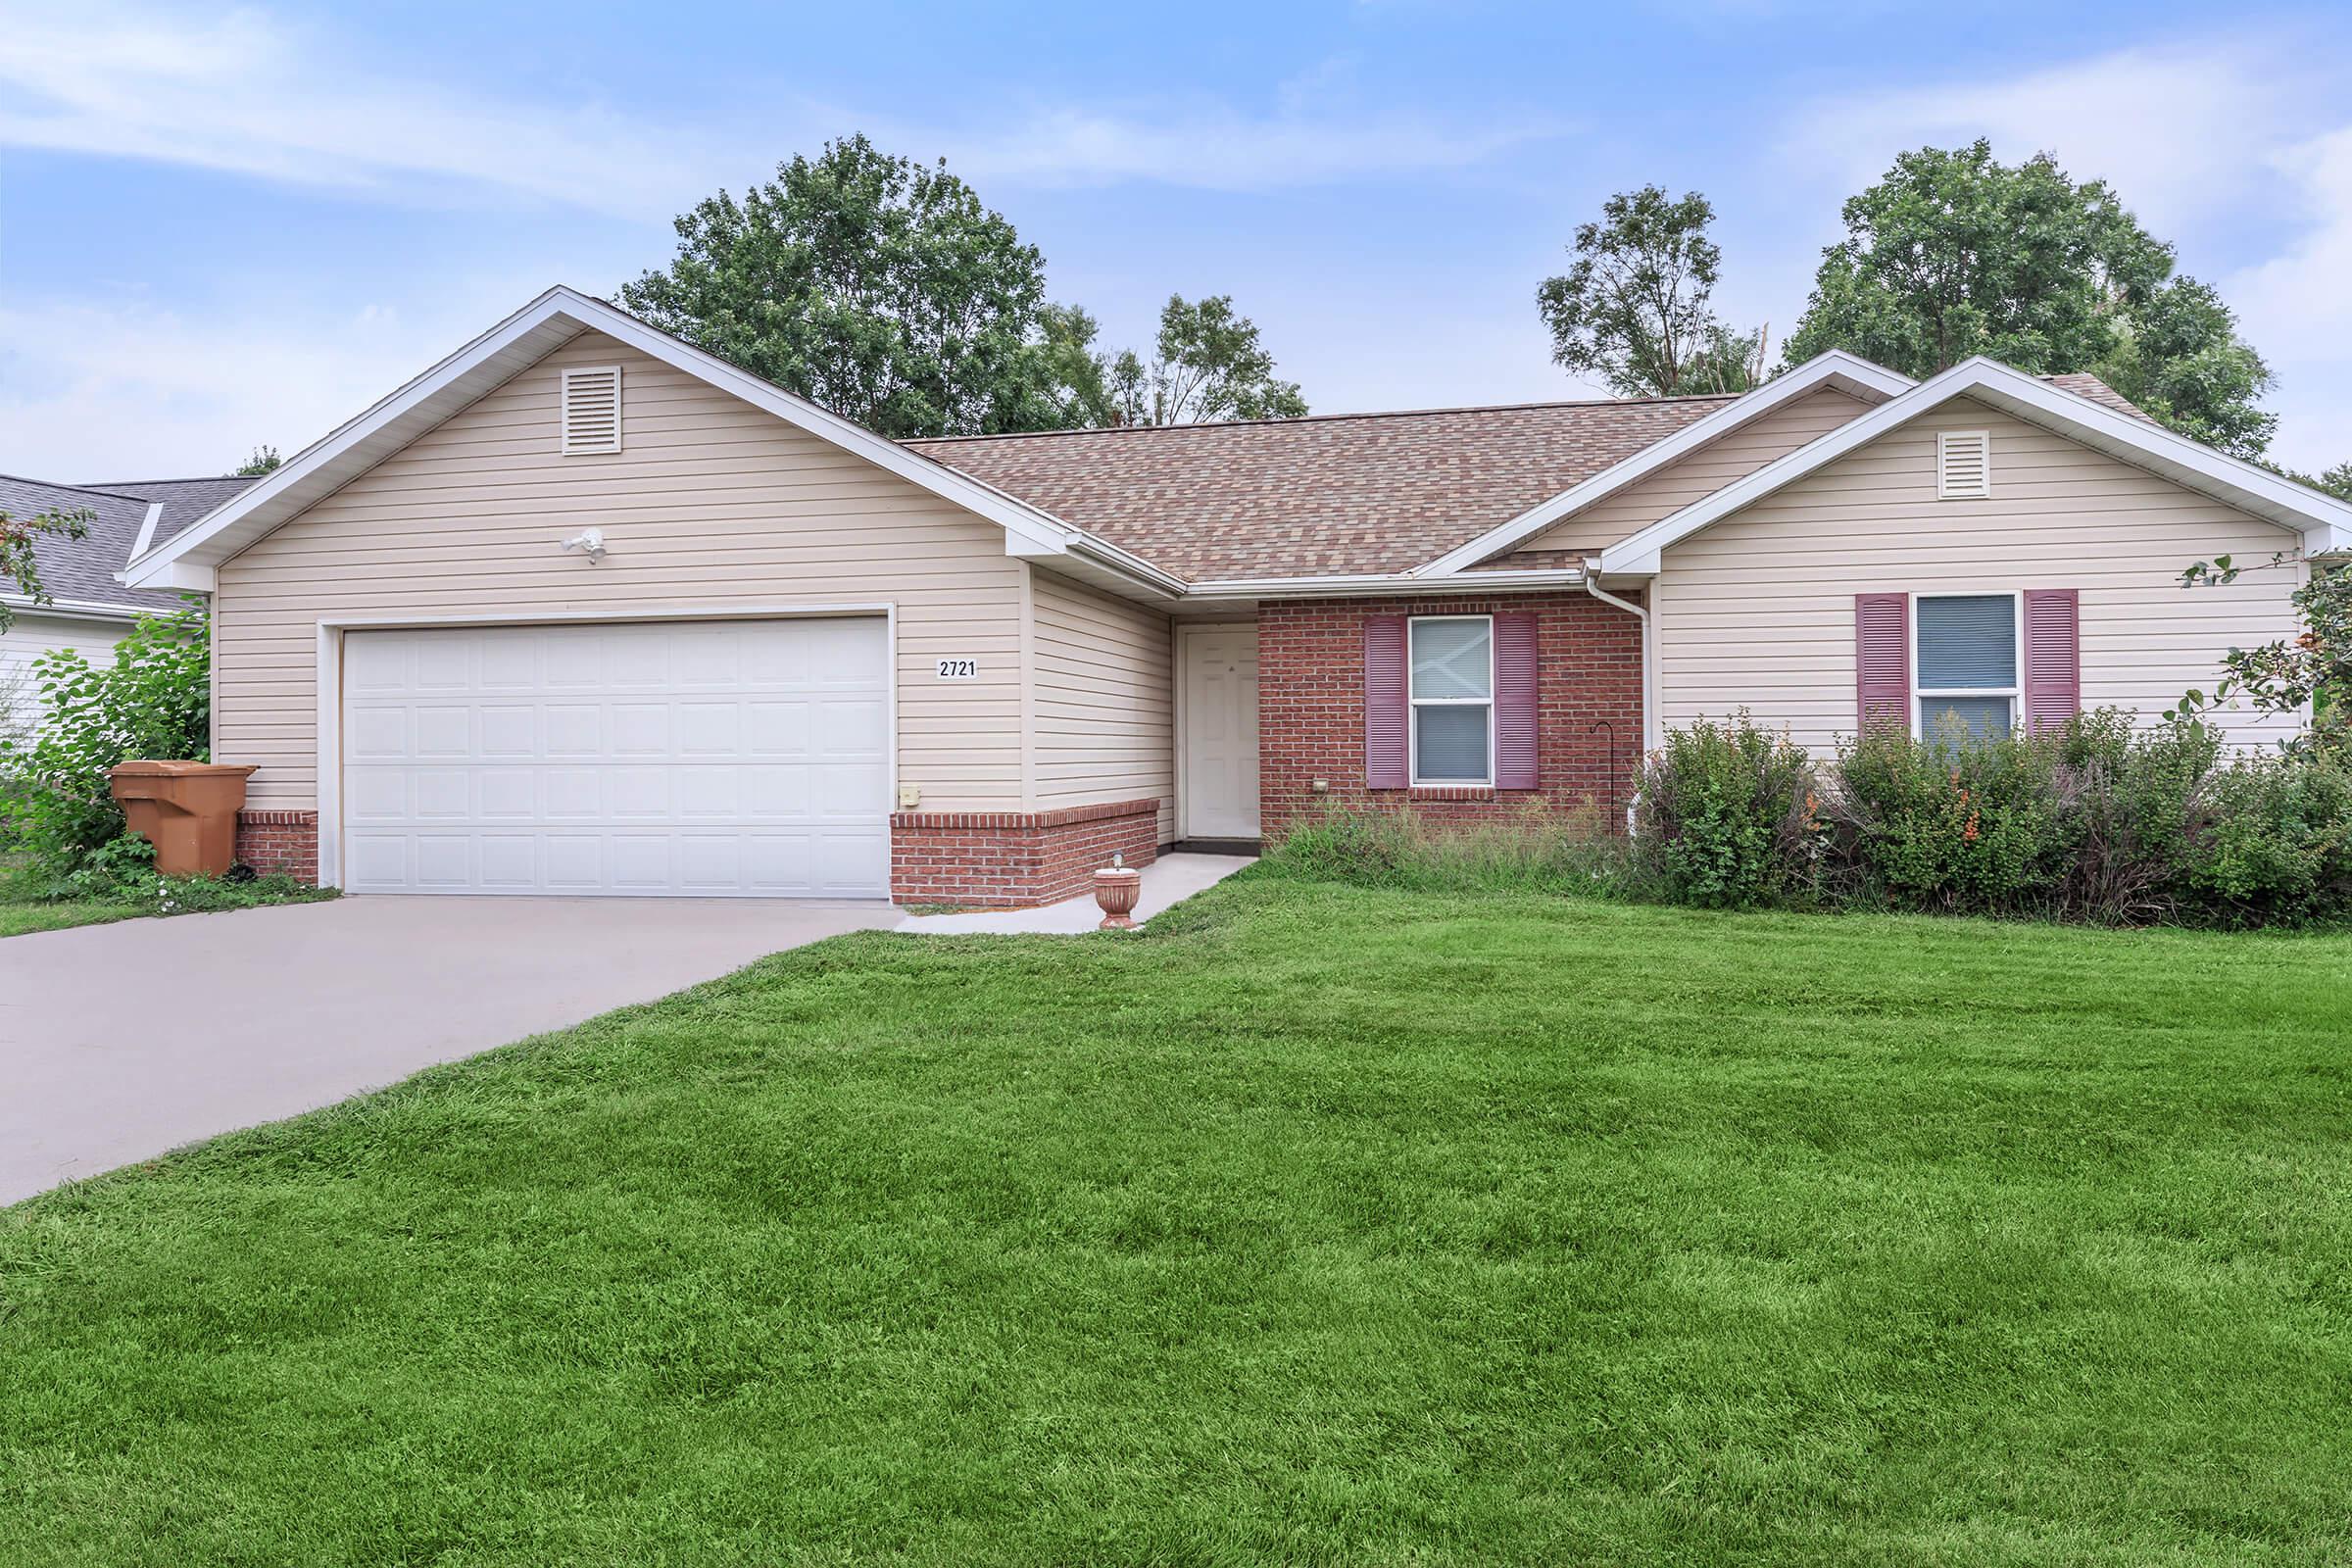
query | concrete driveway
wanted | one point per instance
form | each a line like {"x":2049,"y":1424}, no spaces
{"x":121,"y":1041}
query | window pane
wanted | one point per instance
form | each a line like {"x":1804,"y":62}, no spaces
{"x":1945,"y":718}
{"x":1453,"y":743}
{"x":1451,"y":659}
{"x":1966,"y":640}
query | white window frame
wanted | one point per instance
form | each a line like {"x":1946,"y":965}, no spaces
{"x":1412,"y":718}
{"x":2017,"y":625}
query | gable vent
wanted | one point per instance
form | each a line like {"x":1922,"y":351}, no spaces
{"x":592,"y":409}
{"x":1963,"y":463}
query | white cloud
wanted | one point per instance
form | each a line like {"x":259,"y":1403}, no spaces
{"x":2182,"y":133}
{"x":91,"y":391}
{"x":246,"y":94}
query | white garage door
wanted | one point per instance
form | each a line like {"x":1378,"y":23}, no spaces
{"x":721,"y":757}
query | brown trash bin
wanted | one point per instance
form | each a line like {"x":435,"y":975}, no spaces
{"x":188,"y":810}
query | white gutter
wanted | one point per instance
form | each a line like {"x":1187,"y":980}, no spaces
{"x":1385,"y":582}
{"x":78,"y":609}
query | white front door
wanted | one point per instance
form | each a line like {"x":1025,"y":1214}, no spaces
{"x":1220,"y":732}
{"x":739,"y":757}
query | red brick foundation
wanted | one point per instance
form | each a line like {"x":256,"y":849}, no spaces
{"x":1008,"y":860}
{"x":280,"y":841}
{"x":1310,"y":708}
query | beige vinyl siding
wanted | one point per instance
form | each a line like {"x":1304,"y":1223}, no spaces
{"x":28,"y":636}
{"x":1758,"y":610}
{"x":1701,"y":473}
{"x":1104,"y":727}
{"x":710,"y":504}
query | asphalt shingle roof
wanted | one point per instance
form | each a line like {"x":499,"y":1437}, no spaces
{"x":1330,"y":494}
{"x":1325,"y":495}
{"x":84,"y":568}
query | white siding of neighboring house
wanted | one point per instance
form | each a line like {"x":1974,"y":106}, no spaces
{"x":1104,"y":726}
{"x":1758,"y":610}
{"x":1701,"y":473}
{"x":29,"y":635}
{"x":711,"y":503}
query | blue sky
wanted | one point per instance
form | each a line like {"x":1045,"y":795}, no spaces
{"x":228,"y":226}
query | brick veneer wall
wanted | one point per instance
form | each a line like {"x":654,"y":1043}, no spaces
{"x":280,"y":841}
{"x":1008,"y":859}
{"x":1310,"y":708}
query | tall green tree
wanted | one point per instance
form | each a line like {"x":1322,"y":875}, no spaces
{"x":1207,"y":363}
{"x":265,"y":460}
{"x":1633,"y":309}
{"x":874,"y":286}
{"x":1956,"y":254}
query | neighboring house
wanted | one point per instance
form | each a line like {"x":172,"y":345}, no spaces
{"x":89,"y":606}
{"x":584,"y":610}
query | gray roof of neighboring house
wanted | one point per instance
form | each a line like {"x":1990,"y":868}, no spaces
{"x":82,"y":570}
{"x":184,"y":500}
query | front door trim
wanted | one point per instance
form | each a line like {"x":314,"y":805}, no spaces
{"x":1184,"y":632}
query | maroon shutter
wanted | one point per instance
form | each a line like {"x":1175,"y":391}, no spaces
{"x":1515,"y":701}
{"x":2053,"y":657}
{"x":1883,"y":661}
{"x":1385,"y":766}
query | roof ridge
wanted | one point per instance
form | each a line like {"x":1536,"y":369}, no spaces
{"x":195,"y":478}
{"x":1323,"y":419}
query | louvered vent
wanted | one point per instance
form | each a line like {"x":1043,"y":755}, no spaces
{"x":1963,"y":463}
{"x":592,"y":409}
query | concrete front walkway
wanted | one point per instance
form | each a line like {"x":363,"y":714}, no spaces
{"x":121,"y":1041}
{"x":1167,"y":880}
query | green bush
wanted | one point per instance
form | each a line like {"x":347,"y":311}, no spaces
{"x":1953,"y":824}
{"x":153,"y":699}
{"x":2270,"y":841}
{"x":1728,"y":815}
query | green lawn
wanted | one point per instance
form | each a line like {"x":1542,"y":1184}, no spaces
{"x":1329,"y":1226}
{"x":17,"y":916}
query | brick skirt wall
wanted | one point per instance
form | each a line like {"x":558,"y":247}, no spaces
{"x":280,"y":841}
{"x":1008,"y":859}
{"x":1311,"y":709}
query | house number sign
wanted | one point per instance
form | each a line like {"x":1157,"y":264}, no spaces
{"x":960,"y":669}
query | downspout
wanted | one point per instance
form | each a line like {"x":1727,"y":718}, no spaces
{"x":1650,"y":684}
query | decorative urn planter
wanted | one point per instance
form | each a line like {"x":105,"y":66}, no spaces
{"x":188,"y":810}
{"x":1116,"y":887}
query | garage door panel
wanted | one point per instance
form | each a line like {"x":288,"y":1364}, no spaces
{"x":663,"y":759}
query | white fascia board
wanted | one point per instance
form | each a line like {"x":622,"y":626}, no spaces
{"x":1399,"y":582}
{"x":346,"y":452}
{"x":1835,"y":369}
{"x":76,"y":609}
{"x":2322,"y":521}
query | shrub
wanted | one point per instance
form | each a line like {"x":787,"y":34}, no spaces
{"x":1953,"y":824}
{"x":2270,"y":841}
{"x":153,"y":700}
{"x":1727,"y":815}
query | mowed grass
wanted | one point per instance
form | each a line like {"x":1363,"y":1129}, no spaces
{"x":19,"y":918}
{"x":1318,"y":1225}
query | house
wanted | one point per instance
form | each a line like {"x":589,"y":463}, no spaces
{"x":583,"y":610}
{"x":89,"y":607}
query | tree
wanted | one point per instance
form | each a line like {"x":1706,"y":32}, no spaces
{"x":20,"y":564}
{"x":265,"y":460}
{"x":2283,"y":676}
{"x":1955,"y":253}
{"x":875,"y":286}
{"x":1634,"y":307}
{"x":1206,"y":364}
